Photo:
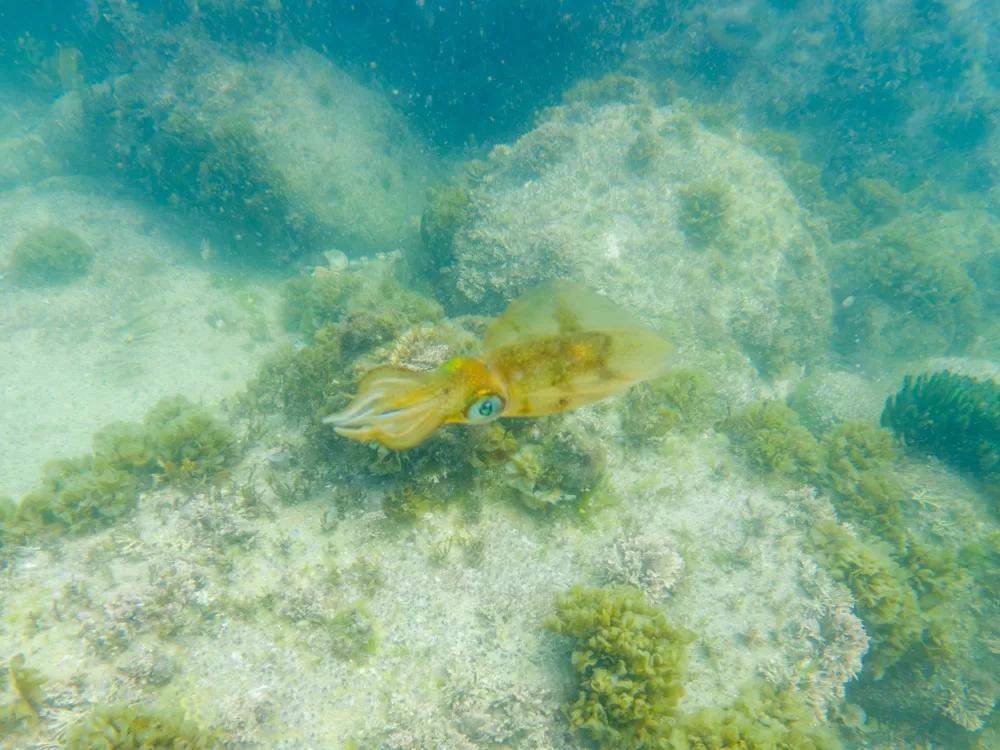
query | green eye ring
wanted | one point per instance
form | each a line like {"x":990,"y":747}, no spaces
{"x":485,"y":408}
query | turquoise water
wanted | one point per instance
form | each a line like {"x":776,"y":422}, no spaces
{"x":454,"y":375}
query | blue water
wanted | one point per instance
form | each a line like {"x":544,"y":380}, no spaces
{"x":261,"y":200}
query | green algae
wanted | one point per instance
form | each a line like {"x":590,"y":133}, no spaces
{"x":630,"y":664}
{"x":179,"y":442}
{"x":704,"y":209}
{"x":138,"y":727}
{"x":953,"y":417}
{"x":48,"y":256}
{"x":770,"y":436}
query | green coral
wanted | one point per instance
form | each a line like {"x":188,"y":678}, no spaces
{"x":704,"y":210}
{"x":138,"y":727}
{"x":49,"y":255}
{"x":953,"y":417}
{"x":630,"y":664}
{"x":770,"y":436}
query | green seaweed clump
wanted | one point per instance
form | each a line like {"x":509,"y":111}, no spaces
{"x":887,"y":602}
{"x":704,"y":210}
{"x":770,"y":436}
{"x":559,"y":472}
{"x":681,"y":397}
{"x":138,"y":727}
{"x":49,"y":255}
{"x":179,"y":440}
{"x":955,"y":418}
{"x":309,"y":304}
{"x":189,"y":441}
{"x":630,"y":663}
{"x":762,"y":718}
{"x":860,"y":459}
{"x":877,"y":200}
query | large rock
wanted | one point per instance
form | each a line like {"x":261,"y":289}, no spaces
{"x":287,"y":152}
{"x":676,"y":222}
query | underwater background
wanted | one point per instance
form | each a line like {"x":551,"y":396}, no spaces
{"x":217,"y":215}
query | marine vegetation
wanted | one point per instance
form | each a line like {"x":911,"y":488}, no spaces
{"x":138,"y":727}
{"x":704,"y":208}
{"x":178,"y":442}
{"x":49,"y":255}
{"x":553,"y":350}
{"x":764,"y":717}
{"x":770,"y":436}
{"x":955,"y":418}
{"x":630,"y":664}
{"x":21,"y":694}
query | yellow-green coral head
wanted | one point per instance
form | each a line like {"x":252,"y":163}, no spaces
{"x":553,"y":350}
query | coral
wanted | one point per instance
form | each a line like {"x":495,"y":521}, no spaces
{"x":770,"y":436}
{"x":763,"y":717}
{"x":630,"y":664}
{"x":138,"y":727}
{"x":953,"y":417}
{"x":703,"y":213}
{"x":49,"y":255}
{"x":640,"y":560}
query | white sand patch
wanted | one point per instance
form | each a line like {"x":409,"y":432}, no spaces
{"x":146,"y":323}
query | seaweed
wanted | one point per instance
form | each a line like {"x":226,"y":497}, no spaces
{"x":630,"y":664}
{"x":138,"y":727}
{"x":955,"y":418}
{"x":49,"y":255}
{"x":770,"y":436}
{"x":704,"y":209}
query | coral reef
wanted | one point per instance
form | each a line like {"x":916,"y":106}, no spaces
{"x":49,"y":255}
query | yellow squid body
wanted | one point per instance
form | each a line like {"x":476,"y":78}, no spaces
{"x":552,"y":350}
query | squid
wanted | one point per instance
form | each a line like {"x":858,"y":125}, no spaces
{"x":554,"y":349}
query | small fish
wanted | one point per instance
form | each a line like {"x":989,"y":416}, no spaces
{"x":552,"y":350}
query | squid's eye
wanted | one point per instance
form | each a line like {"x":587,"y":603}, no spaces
{"x":484,"y":409}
